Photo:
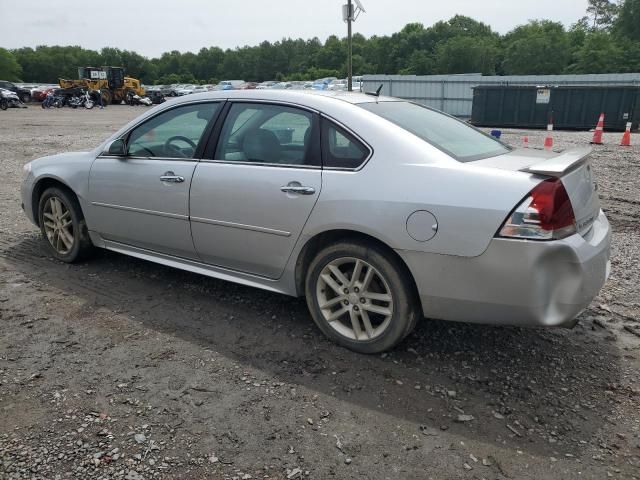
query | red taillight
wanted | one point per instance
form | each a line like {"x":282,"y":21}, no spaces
{"x":552,"y":202}
{"x":546,"y":214}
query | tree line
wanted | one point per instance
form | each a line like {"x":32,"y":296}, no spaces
{"x":605,"y":40}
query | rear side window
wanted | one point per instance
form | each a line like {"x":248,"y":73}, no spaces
{"x":269,"y":134}
{"x":454,"y":137}
{"x":340,"y":149}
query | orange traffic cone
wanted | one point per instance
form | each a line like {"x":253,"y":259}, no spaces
{"x":626,"y":137}
{"x":525,"y":142}
{"x":548,"y":141}
{"x":597,"y":133}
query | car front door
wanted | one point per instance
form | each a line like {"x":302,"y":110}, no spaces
{"x":250,"y":200}
{"x":142,"y":199}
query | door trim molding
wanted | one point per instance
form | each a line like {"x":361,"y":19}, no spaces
{"x":240,"y":226}
{"x":141,"y":210}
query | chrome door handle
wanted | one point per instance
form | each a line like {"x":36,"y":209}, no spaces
{"x":171,"y":177}
{"x":299,"y":190}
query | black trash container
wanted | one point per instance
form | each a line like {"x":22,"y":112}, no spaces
{"x":572,"y":108}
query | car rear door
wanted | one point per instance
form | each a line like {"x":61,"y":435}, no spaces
{"x":142,"y":199}
{"x":253,"y":195}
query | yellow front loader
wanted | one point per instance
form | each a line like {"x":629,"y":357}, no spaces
{"x":111,"y":82}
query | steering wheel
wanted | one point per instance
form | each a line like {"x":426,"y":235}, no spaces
{"x":170,"y":147}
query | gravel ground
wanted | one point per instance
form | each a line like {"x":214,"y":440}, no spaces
{"x":117,"y":368}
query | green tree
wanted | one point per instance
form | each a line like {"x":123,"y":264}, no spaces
{"x":10,"y":69}
{"x":539,"y":47}
{"x":467,"y":55}
{"x":627,"y":24}
{"x":598,"y":54}
{"x":601,"y":13}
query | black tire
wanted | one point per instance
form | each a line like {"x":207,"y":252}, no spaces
{"x":405,"y":312}
{"x":107,"y":97}
{"x":81,"y":247}
{"x":25,"y":98}
{"x":4,"y":104}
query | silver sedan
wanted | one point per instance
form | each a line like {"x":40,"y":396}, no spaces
{"x":377,"y":210}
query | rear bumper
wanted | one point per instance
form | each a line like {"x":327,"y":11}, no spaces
{"x":516,"y":282}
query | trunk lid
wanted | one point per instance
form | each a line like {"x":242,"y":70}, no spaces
{"x":572,"y":167}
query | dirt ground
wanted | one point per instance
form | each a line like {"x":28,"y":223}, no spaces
{"x":118,"y":368}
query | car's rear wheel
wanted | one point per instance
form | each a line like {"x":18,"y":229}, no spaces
{"x":63,"y":226}
{"x":361,"y":297}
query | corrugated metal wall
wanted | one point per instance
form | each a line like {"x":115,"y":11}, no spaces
{"x":454,"y":93}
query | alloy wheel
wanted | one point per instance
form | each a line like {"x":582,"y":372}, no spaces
{"x":354,"y":298}
{"x":58,"y":225}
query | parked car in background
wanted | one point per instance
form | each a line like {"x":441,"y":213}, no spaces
{"x":230,"y":84}
{"x":185,"y":90}
{"x":322,"y":83}
{"x":282,"y":86}
{"x":39,"y":93}
{"x":200,"y":89}
{"x":338,"y":85}
{"x":156,"y":96}
{"x":379,"y":211}
{"x":23,"y":94}
{"x":248,"y":86}
{"x":267,"y":84}
{"x":169,"y":90}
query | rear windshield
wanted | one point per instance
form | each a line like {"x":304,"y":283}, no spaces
{"x":454,"y":137}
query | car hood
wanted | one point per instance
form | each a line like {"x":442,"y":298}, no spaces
{"x":59,"y":157}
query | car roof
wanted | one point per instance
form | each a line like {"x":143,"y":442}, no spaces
{"x":314,"y":99}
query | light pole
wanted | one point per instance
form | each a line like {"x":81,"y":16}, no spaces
{"x":350,"y":14}
{"x":350,"y":46}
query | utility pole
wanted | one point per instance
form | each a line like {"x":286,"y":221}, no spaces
{"x":350,"y":19}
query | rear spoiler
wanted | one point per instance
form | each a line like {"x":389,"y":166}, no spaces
{"x":558,"y":166}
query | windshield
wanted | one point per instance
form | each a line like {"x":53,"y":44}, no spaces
{"x":454,"y":137}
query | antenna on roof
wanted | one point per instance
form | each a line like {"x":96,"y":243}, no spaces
{"x":376,"y":93}
{"x":350,"y":15}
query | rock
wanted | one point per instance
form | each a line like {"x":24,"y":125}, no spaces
{"x":133,"y":475}
{"x":140,"y":438}
{"x":487,"y":462}
{"x":465,"y":418}
{"x":310,"y":421}
{"x":295,"y":473}
{"x":467,"y":466}
{"x":348,"y":461}
{"x":213,"y":459}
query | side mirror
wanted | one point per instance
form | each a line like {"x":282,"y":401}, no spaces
{"x":117,"y":148}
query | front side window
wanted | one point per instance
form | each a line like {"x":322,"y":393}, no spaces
{"x":175,"y":133}
{"x":270,"y":134}
{"x":454,"y":137}
{"x":340,"y":149}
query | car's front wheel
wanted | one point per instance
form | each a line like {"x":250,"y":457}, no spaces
{"x":361,"y":297}
{"x":63,"y":226}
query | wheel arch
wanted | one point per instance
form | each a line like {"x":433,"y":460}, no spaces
{"x":328,"y":237}
{"x":43,"y":184}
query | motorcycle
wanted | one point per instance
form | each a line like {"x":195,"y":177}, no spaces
{"x":10,"y":99}
{"x":82,"y":99}
{"x":134,"y":99}
{"x":53,"y":99}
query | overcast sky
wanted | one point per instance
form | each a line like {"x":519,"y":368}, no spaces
{"x":152,"y":27}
